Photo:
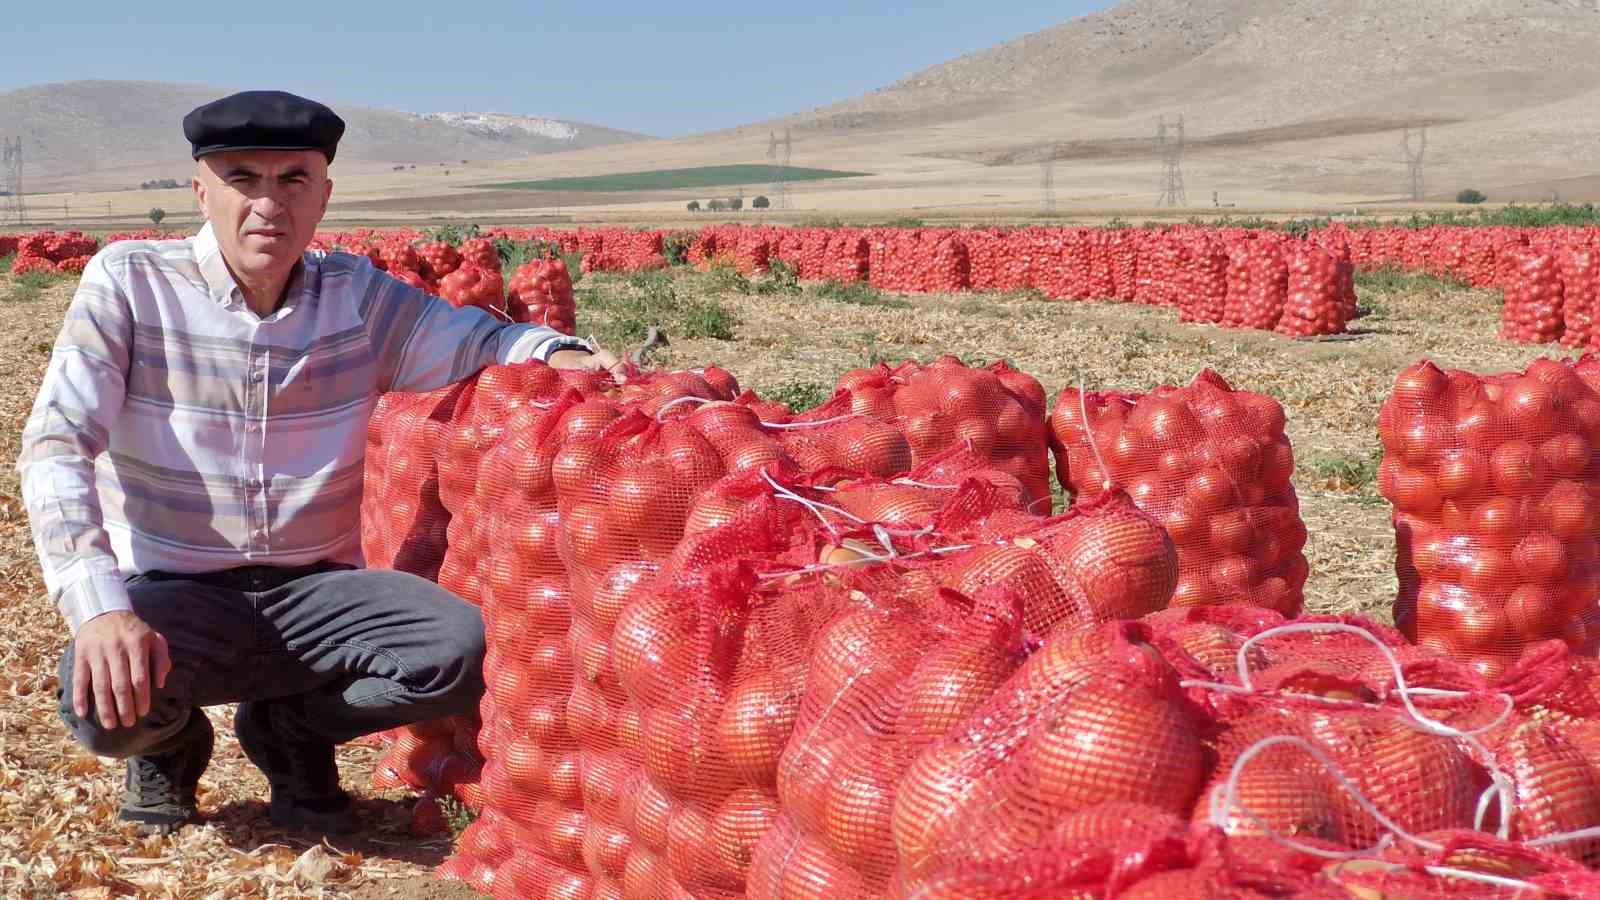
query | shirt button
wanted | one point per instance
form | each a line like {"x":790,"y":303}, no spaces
{"x":258,"y":376}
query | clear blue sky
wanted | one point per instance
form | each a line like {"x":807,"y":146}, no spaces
{"x":665,"y":67}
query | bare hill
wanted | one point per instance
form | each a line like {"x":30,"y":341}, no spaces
{"x":1246,"y":64}
{"x":100,"y":134}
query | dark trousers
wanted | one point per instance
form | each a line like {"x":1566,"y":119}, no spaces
{"x":346,"y":651}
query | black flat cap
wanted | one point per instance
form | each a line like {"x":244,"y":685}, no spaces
{"x":263,"y":120}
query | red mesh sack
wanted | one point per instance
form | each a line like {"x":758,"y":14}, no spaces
{"x":915,"y":499}
{"x":1258,"y":283}
{"x":1269,"y":782}
{"x":1550,"y":677}
{"x":439,"y":259}
{"x":1512,"y":869}
{"x":833,"y":436}
{"x":623,"y":501}
{"x":404,"y":524}
{"x":997,"y":413}
{"x":532,"y":776}
{"x":433,"y":757}
{"x":414,"y":279}
{"x":657,"y":392}
{"x":471,"y":285}
{"x":1315,"y":301}
{"x":480,"y":252}
{"x":848,"y":257}
{"x":1493,"y":483}
{"x":404,"y":527}
{"x":1100,"y":561}
{"x":56,"y":246}
{"x":1580,"y":296}
{"x":1533,"y":304}
{"x":887,"y":678}
{"x":1094,"y":716}
{"x":1232,"y":653}
{"x":72,"y":265}
{"x":1202,"y":285}
{"x":706,"y":655}
{"x":1556,"y":789}
{"x":27,"y":262}
{"x":1213,"y":466}
{"x":541,"y":292}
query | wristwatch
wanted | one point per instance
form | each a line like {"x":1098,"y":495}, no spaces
{"x":567,"y":343}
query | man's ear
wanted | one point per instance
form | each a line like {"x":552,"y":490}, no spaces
{"x":327,"y":191}
{"x":199,"y":186}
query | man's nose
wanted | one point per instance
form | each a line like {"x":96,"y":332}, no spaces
{"x":267,"y":206}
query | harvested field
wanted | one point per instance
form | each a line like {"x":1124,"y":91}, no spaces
{"x":671,"y":179}
{"x":57,"y":828}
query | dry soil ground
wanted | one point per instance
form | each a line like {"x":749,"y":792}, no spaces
{"x":57,"y":804}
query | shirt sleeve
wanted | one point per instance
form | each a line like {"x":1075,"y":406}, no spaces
{"x":422,"y":343}
{"x":70,"y":424}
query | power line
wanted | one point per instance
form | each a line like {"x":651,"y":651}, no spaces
{"x":779,"y":151}
{"x":1169,"y":141}
{"x":13,"y":206}
{"x":1047,"y":171}
{"x":1414,"y":160}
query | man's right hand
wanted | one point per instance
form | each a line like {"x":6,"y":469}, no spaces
{"x":119,"y":657}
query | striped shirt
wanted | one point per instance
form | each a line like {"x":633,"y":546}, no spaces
{"x":178,"y":431}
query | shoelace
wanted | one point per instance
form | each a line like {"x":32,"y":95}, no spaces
{"x":152,"y":781}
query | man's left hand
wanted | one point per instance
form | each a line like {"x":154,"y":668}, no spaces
{"x":600,"y":360}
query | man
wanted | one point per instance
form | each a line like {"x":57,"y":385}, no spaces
{"x":192,"y":472}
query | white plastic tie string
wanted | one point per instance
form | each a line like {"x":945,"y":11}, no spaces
{"x":677,"y":401}
{"x":1502,"y":785}
{"x":1106,"y":483}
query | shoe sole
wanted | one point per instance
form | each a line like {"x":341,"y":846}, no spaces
{"x":303,"y":819}
{"x":153,"y":824}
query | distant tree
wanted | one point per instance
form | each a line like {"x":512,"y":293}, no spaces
{"x":760,"y":202}
{"x":736,"y":203}
{"x":694,"y":206}
{"x":1471,"y":195}
{"x":716,"y":206}
{"x":157,"y":214}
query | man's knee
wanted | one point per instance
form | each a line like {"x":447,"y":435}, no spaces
{"x":163,"y":720}
{"x":452,"y":628}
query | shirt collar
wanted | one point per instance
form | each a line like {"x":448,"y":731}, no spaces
{"x":220,"y":283}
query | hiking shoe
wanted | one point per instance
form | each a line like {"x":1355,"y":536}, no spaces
{"x":159,"y":795}
{"x":300,"y":770}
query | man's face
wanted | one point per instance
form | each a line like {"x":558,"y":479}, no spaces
{"x":264,"y":205}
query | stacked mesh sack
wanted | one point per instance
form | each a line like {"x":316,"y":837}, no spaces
{"x":610,"y":487}
{"x":995,"y":412}
{"x":540,"y":292}
{"x":1395,"y":767}
{"x":633,"y":513}
{"x":1213,"y":465}
{"x":1493,"y":484}
{"x":412,"y":504}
